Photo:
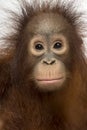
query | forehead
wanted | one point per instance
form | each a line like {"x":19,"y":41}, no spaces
{"x":47,"y":23}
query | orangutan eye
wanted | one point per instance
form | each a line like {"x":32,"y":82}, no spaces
{"x":39,"y":46}
{"x":57,"y":45}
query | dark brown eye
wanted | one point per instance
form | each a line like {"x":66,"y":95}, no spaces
{"x":39,"y":46}
{"x":57,"y":45}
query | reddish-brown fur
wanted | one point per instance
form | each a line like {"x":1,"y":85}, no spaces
{"x":23,"y":107}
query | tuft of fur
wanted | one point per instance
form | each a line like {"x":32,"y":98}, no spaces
{"x":18,"y":21}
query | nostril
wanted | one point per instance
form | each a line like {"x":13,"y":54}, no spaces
{"x":45,"y":62}
{"x":52,"y":62}
{"x":49,"y":62}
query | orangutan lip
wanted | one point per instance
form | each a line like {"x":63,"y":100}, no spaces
{"x":50,"y":80}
